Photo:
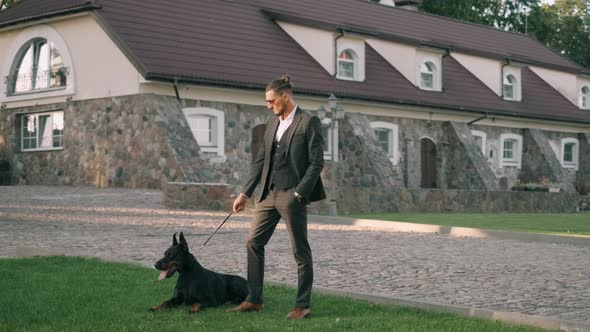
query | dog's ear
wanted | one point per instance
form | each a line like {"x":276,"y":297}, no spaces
{"x":174,"y":242}
{"x":183,"y":243}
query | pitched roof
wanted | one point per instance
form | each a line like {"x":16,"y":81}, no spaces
{"x":236,"y":43}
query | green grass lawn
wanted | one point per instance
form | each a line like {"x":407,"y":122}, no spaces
{"x":76,"y":294}
{"x":556,"y":223}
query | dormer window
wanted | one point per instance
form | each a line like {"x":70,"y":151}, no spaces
{"x":346,"y":64}
{"x":427,"y":76}
{"x":428,"y":72}
{"x":349,"y":58}
{"x":509,"y":82}
{"x":512,"y":83}
{"x":585,"y":97}
{"x":38,"y":66}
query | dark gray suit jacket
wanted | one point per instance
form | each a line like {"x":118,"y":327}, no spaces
{"x":305,"y":157}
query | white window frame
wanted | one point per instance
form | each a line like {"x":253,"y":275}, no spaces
{"x":585,"y":97}
{"x":575,"y":153}
{"x":483,"y":137}
{"x":327,"y":123}
{"x":36,"y":116}
{"x":353,"y":61}
{"x":433,"y":72}
{"x":393,"y":153}
{"x":48,"y":33}
{"x":509,"y":83}
{"x":516,"y":160}
{"x":433,"y":57}
{"x":356,"y":46}
{"x":515,"y":73}
{"x":218,"y":140}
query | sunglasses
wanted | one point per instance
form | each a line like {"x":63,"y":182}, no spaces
{"x":274,"y":100}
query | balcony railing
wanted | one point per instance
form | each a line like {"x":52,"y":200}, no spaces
{"x":36,"y":80}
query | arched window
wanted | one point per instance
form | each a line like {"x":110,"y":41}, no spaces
{"x":427,"y":75}
{"x":208,"y":127}
{"x":480,"y":139}
{"x":585,"y":97}
{"x":509,"y":87}
{"x":38,"y":66}
{"x":346,"y":64}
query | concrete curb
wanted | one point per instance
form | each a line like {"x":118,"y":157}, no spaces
{"x":512,"y":318}
{"x":397,"y":226}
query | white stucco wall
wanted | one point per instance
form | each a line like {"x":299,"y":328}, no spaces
{"x":488,"y":71}
{"x":100,"y":69}
{"x":401,"y":57}
{"x":318,"y":43}
{"x":565,"y":83}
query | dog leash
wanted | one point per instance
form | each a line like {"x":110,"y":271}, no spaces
{"x":203,"y":246}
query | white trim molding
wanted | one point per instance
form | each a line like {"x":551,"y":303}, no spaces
{"x":573,"y":163}
{"x":393,"y":144}
{"x":515,"y":160}
{"x":216,"y":143}
{"x":50,"y":34}
{"x":483,"y":137}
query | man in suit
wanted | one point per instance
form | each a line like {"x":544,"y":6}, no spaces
{"x":288,"y":166}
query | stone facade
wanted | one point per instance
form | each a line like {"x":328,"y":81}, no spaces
{"x":145,"y":141}
{"x":134,"y":142}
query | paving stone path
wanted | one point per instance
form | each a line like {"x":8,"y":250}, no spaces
{"x":122,"y":224}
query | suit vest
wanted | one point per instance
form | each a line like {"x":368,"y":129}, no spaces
{"x":280,"y":174}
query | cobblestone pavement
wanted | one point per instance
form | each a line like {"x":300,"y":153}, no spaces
{"x":123,"y":224}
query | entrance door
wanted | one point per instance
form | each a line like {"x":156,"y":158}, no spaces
{"x":428,"y":161}
{"x":257,"y":139}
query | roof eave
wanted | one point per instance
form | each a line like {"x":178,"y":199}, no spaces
{"x":69,"y":11}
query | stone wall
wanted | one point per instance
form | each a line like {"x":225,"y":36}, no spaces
{"x":539,"y":161}
{"x":382,"y":200}
{"x":466,"y":167}
{"x":135,"y":141}
{"x":583,"y":174}
{"x":145,"y":141}
{"x":198,"y":196}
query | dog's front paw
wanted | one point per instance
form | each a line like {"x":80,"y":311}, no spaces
{"x":194,"y":308}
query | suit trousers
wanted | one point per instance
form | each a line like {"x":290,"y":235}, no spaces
{"x":276,"y":205}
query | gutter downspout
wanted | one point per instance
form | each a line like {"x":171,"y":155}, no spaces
{"x":336,"y":51}
{"x":176,"y":89}
{"x":478,"y":119}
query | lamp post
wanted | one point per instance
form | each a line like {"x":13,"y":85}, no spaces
{"x":337,"y":113}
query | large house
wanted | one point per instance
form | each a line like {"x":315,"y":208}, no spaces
{"x":432,"y":113}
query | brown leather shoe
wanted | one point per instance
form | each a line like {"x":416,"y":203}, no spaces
{"x":246,"y":307}
{"x":299,"y":313}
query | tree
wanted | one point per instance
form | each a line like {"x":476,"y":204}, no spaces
{"x":563,"y":26}
{"x":506,"y":15}
{"x":5,"y":4}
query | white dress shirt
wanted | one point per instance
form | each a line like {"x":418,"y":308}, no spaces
{"x":284,"y":124}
